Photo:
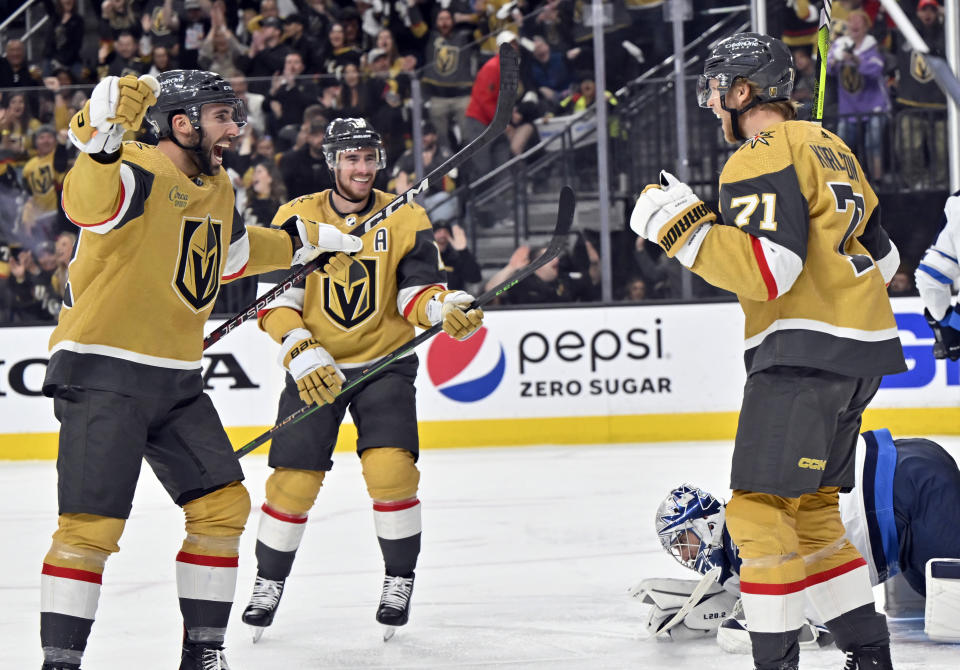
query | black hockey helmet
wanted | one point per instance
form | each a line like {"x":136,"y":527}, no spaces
{"x":350,"y":135}
{"x":762,"y":59}
{"x":186,"y":92}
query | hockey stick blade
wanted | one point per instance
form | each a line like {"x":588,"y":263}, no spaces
{"x":509,"y":85}
{"x":708,"y":580}
{"x":565,"y":213}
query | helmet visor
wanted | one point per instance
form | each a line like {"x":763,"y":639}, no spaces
{"x":233,"y":110}
{"x":705,"y":91}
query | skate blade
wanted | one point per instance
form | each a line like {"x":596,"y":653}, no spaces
{"x":257,"y":632}
{"x":389,"y":632}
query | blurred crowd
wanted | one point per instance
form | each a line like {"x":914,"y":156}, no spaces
{"x":298,"y":64}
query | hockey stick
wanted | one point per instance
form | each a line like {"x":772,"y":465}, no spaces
{"x":557,"y":241}
{"x":823,"y":39}
{"x":709,"y":579}
{"x":509,"y":81}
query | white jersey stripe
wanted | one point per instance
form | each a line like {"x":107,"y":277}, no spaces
{"x":292,"y":298}
{"x":237,"y":257}
{"x":72,"y":597}
{"x":132,"y":356}
{"x":821,"y":327}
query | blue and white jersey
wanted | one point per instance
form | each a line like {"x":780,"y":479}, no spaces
{"x":939,"y":268}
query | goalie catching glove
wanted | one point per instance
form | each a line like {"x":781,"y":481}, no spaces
{"x":317,"y":238}
{"x":453,"y":310}
{"x":117,"y":104}
{"x":668,"y":596}
{"x":671,"y":215}
{"x":318,"y":378}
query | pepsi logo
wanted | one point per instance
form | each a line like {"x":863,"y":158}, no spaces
{"x":466,"y":371}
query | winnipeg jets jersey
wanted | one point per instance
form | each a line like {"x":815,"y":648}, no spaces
{"x":939,"y":268}
{"x":803,"y":249}
{"x":363,"y":316}
{"x":153,"y":249}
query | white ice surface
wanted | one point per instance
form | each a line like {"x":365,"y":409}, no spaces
{"x":527,"y":557}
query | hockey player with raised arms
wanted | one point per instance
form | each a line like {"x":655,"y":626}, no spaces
{"x":330,"y":330}
{"x":936,"y":274}
{"x":800,"y":243}
{"x":907,"y":491}
{"x":158,"y":235}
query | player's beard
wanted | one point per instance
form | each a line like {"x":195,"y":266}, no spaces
{"x":354,"y":191}
{"x":727,"y":125}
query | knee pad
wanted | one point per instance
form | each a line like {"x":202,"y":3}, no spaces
{"x":215,"y":521}
{"x":293,"y":491}
{"x":390,"y":473}
{"x":83,"y":541}
{"x":762,"y":527}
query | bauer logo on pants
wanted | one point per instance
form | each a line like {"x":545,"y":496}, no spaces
{"x":466,"y":371}
{"x":198,"y":268}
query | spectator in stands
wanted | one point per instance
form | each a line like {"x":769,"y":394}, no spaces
{"x":546,"y":285}
{"x":806,"y":82}
{"x":480,"y":110}
{"x":521,"y":132}
{"x":584,"y":96}
{"x":921,"y":119}
{"x":64,"y":247}
{"x":439,"y":203}
{"x":355,"y":95}
{"x":404,"y":20}
{"x":267,"y":54}
{"x":265,"y":194}
{"x":124,"y":59}
{"x":352,"y":34}
{"x":384,"y":41}
{"x":448,"y":76}
{"x":290,"y":93}
{"x":800,"y":23}
{"x":160,"y":24}
{"x":317,"y":15}
{"x":863,"y":102}
{"x":14,"y":69}
{"x":636,"y":290}
{"x":497,"y":17}
{"x":901,"y":285}
{"x":550,"y":71}
{"x":252,"y":101}
{"x":194,"y":25}
{"x":160,"y":61}
{"x":330,"y":89}
{"x":458,"y":262}
{"x":43,"y":180}
{"x":32,"y":296}
{"x":16,"y":126}
{"x":221,"y":51}
{"x":64,"y":38}
{"x":302,"y":43}
{"x":305,"y":170}
{"x":339,"y":53}
{"x":117,"y":16}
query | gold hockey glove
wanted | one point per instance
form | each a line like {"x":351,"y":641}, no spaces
{"x":671,"y":215}
{"x":453,"y":310}
{"x":116,"y":105}
{"x":318,"y":378}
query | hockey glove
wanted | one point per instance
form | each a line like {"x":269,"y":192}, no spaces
{"x":318,"y":378}
{"x":453,"y":310}
{"x":317,"y":238}
{"x":671,"y":215}
{"x":947,"y":333}
{"x":117,"y":104}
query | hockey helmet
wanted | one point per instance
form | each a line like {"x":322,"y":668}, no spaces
{"x":351,"y":135}
{"x":689,"y":524}
{"x":762,"y":59}
{"x":186,"y":92}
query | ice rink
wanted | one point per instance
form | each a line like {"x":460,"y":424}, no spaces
{"x":527,"y":557}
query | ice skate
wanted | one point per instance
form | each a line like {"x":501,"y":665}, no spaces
{"x":203,"y":656}
{"x":263,"y":605}
{"x":59,"y":666}
{"x":394,"y":609}
{"x":872,"y":658}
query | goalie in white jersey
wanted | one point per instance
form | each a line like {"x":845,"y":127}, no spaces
{"x":936,"y":277}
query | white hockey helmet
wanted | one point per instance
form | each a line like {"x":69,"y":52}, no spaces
{"x":689,"y":524}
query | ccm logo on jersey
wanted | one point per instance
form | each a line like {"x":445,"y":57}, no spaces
{"x":812,"y":464}
{"x":683,"y":224}
{"x":303,"y":346}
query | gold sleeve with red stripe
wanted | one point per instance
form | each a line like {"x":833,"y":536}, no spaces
{"x":732,"y":260}
{"x":89,"y":176}
{"x":416,"y":311}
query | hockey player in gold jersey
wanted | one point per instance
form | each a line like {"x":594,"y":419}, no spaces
{"x":336,"y":325}
{"x":159,"y":233}
{"x":799,"y":241}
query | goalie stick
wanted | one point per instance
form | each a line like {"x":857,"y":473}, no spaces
{"x":709,"y":579}
{"x":557,"y":241}
{"x":509,"y":82}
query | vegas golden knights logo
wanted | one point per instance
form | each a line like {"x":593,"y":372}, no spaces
{"x":447,"y":57}
{"x":919,"y":69}
{"x":198,"y":268}
{"x":351,"y":300}
{"x":41,"y":181}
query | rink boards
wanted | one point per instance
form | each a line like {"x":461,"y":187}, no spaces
{"x":563,"y":376}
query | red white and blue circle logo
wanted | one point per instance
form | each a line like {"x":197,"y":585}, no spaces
{"x":466,"y":371}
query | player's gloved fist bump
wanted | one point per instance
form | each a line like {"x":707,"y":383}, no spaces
{"x":453,"y":310}
{"x":947,"y":332}
{"x":318,"y":378}
{"x":671,"y":215}
{"x":116,"y":105}
{"x":317,"y":238}
{"x":338,"y":266}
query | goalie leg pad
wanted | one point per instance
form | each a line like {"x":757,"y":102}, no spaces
{"x":702,"y":620}
{"x":942,"y":616}
{"x":390,"y":473}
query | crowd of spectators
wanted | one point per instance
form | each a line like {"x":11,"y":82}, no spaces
{"x":298,"y":64}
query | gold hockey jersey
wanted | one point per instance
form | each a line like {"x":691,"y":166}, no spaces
{"x":153,"y":249}
{"x":364,"y":316}
{"x":802,"y":247}
{"x":43,"y":180}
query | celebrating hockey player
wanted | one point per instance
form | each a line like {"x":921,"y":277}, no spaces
{"x":936,"y":274}
{"x":799,"y":243}
{"x":159,"y":233}
{"x":338,"y":324}
{"x":895,"y":517}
